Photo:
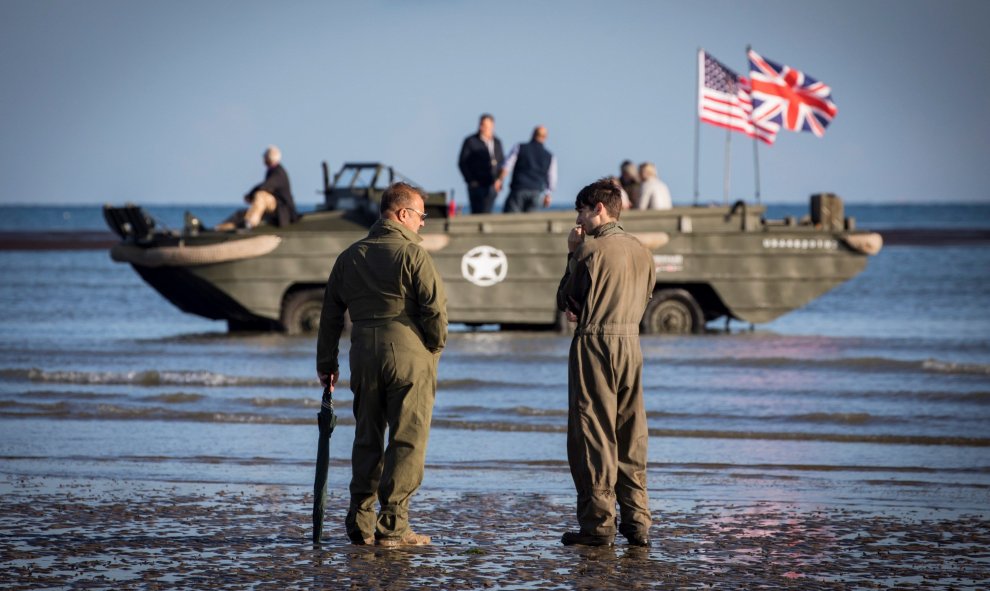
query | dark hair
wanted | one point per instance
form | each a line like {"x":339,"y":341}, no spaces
{"x":605,"y":191}
{"x":486,"y":116}
{"x":399,"y":195}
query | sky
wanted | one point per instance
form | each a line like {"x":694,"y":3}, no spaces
{"x":175,"y":101}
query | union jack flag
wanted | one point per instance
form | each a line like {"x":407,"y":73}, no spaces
{"x":787,"y":97}
{"x":724,"y":100}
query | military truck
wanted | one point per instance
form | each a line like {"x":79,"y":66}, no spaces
{"x":712,"y":262}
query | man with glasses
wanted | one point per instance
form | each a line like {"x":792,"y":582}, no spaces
{"x":609,"y":280}
{"x":398,"y":311}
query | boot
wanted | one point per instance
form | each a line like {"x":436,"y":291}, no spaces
{"x":410,"y":539}
{"x":572,"y":538}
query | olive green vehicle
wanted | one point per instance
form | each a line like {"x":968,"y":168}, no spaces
{"x":712,"y":262}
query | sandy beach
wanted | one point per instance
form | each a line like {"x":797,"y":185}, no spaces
{"x":94,"y":533}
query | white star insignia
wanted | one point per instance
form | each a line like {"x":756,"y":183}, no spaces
{"x":484,"y":265}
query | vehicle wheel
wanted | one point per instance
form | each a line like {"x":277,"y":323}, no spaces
{"x":301,"y":311}
{"x":252,"y":325}
{"x":672,"y":311}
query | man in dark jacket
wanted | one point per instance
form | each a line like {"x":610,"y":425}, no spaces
{"x":609,"y":280}
{"x":398,"y":310}
{"x":534,"y":173}
{"x":480,"y":160}
{"x":271,"y":199}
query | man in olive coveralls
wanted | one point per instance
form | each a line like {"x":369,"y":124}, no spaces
{"x":608,"y":282}
{"x":398,"y":311}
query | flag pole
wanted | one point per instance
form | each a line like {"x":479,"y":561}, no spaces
{"x":756,"y":165}
{"x":728,"y":167}
{"x":756,"y":145}
{"x":697,"y":120}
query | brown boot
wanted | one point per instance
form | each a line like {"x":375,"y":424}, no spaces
{"x":410,"y":539}
{"x":576,"y":538}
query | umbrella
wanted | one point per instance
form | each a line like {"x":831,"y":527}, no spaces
{"x":327,"y":421}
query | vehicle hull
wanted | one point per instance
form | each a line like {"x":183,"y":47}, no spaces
{"x":505,"y":268}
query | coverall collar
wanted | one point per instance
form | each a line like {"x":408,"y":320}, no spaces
{"x":381,"y":227}
{"x":606,"y":229}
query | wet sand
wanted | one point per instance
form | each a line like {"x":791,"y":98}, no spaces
{"x":111,"y":533}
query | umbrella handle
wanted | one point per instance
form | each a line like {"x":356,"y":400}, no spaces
{"x":327,"y":401}
{"x":326,"y":410}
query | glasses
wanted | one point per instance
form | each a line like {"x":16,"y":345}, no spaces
{"x":421,"y":214}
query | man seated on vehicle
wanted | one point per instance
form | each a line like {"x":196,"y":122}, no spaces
{"x":653,"y":193}
{"x":271,"y":200}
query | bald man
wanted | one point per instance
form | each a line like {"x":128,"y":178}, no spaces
{"x":271,"y":199}
{"x":534,"y":173}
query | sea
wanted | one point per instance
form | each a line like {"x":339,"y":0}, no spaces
{"x":875,"y":395}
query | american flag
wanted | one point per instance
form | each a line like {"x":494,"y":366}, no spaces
{"x":785,"y":96}
{"x":724,"y":100}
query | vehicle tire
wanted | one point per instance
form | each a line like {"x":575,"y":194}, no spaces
{"x":251,"y":325}
{"x":672,"y":311}
{"x":301,"y":311}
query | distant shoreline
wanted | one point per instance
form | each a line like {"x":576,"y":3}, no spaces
{"x":57,"y":240}
{"x":99,"y":240}
{"x":935,"y":236}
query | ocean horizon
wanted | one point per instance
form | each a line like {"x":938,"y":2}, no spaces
{"x":83,"y":217}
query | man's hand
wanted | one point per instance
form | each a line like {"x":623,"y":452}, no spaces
{"x":546,"y":200}
{"x":575,"y":238}
{"x":571,"y":316}
{"x":498,"y":185}
{"x":329,"y":380}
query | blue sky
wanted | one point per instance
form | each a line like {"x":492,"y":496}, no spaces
{"x":173,"y":102}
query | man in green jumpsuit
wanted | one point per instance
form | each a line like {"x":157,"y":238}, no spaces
{"x":398,"y":311}
{"x":609,"y":280}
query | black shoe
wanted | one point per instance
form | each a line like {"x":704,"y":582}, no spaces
{"x":641,"y":541}
{"x":573,"y":538}
{"x":358,"y":539}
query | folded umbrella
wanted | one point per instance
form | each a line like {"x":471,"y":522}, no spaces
{"x":326,"y":420}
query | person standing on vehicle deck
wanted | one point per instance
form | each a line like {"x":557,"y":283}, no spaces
{"x":534,"y":173}
{"x":479,"y":162}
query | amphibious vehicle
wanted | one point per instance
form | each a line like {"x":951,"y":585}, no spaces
{"x":712,"y":262}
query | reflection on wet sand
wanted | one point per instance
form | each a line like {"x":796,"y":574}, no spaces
{"x":85,"y":533}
